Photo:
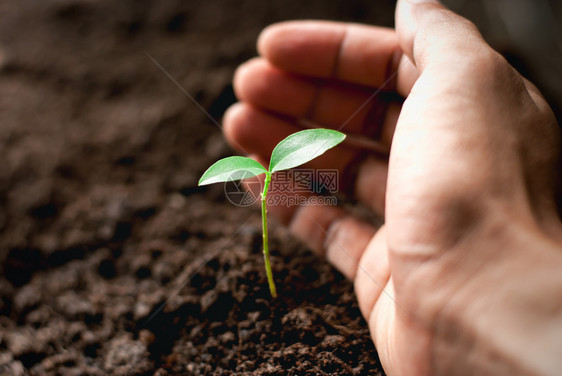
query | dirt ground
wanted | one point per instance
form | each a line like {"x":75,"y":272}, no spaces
{"x":113,"y":261}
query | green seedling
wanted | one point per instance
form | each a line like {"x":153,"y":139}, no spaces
{"x":293,"y":151}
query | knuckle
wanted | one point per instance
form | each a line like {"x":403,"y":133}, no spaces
{"x":493,"y":73}
{"x":488,"y":63}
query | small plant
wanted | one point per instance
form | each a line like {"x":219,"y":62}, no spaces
{"x":293,"y":151}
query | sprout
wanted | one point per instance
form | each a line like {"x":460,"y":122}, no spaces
{"x":293,"y":151}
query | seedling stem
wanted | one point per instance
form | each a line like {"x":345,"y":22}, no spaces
{"x":268,"y":271}
{"x":298,"y":148}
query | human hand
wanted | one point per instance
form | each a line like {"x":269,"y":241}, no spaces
{"x":464,"y":277}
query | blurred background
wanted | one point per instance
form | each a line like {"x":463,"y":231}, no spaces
{"x":101,"y":151}
{"x":82,"y":103}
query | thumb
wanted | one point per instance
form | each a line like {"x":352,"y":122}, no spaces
{"x":430,"y":33}
{"x":451,"y":136}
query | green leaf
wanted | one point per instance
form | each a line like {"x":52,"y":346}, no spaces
{"x":231,"y":168}
{"x":303,"y":146}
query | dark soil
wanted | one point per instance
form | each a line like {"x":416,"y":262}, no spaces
{"x":113,"y":261}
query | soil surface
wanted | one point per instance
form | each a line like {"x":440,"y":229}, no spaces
{"x":113,"y":261}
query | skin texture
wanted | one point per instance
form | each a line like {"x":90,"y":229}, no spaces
{"x":464,"y":276}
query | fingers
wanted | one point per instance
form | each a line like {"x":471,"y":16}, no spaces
{"x":364,"y":55}
{"x":407,"y":75}
{"x":263,"y":85}
{"x":334,"y":233}
{"x":322,"y":51}
{"x":373,"y":274}
{"x":258,"y":132}
{"x":430,"y":33}
{"x":356,"y":248}
{"x":252,"y":131}
{"x":350,"y":108}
